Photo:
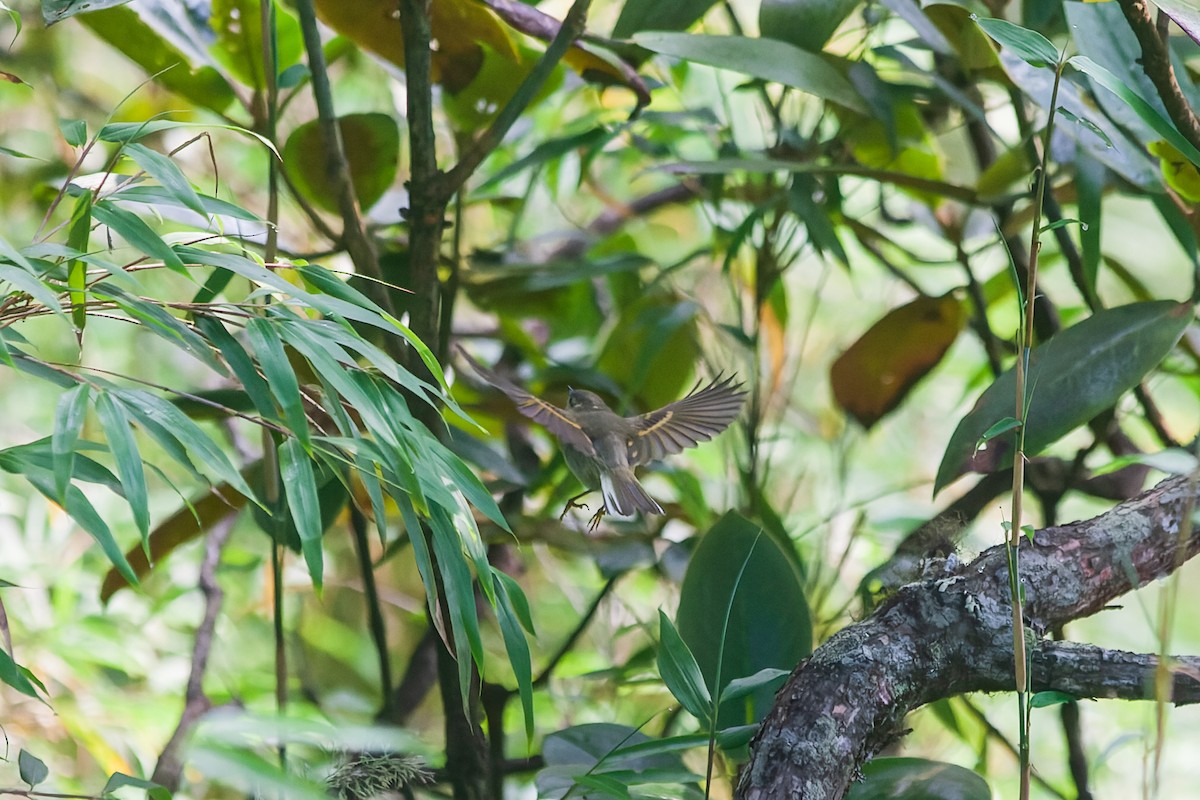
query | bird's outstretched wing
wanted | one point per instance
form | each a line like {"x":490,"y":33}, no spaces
{"x":550,"y":416}
{"x":685,"y":423}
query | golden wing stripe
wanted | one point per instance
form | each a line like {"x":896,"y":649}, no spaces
{"x":666,"y":419}
{"x":534,"y":401}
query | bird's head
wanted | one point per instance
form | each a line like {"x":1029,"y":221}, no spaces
{"x":581,"y":400}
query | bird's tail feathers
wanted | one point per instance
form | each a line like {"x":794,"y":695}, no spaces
{"x":623,"y":494}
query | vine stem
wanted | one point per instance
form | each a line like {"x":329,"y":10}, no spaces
{"x":1020,"y":652}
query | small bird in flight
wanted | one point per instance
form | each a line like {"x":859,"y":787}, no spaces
{"x":602,"y":448}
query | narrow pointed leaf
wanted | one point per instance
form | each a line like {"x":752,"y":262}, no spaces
{"x":12,"y":675}
{"x":168,"y":174}
{"x":680,"y":672}
{"x":115,"y":421}
{"x":68,"y":423}
{"x":78,"y":232}
{"x":265,"y":342}
{"x":138,"y":234}
{"x":300,"y":486}
{"x":1030,"y":46}
{"x":516,"y":646}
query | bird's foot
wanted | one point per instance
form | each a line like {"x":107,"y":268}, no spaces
{"x":573,"y":504}
{"x":594,"y":522}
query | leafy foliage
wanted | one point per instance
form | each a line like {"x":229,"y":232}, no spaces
{"x":207,"y":337}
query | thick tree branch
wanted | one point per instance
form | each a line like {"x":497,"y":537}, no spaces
{"x":951,"y":634}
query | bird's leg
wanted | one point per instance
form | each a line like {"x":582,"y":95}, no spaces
{"x":594,"y":522}
{"x":572,"y":504}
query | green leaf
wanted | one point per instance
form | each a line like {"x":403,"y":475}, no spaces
{"x":371,"y":143}
{"x":655,"y":15}
{"x":153,"y":195}
{"x":514,"y":643}
{"x":460,"y":597}
{"x":1082,"y":371}
{"x":740,"y":687}
{"x":145,"y":36}
{"x":80,"y":509}
{"x":68,"y":422}
{"x":917,"y":779}
{"x":31,"y":768}
{"x":769,"y":625}
{"x":79,"y":231}
{"x":138,"y":234}
{"x":808,"y":24}
{"x":680,"y":672}
{"x":74,"y":131}
{"x":121,"y":442}
{"x":54,"y":11}
{"x":300,"y":486}
{"x":120,"y":780}
{"x":165,"y":420}
{"x":239,"y":361}
{"x":30,"y":285}
{"x":1032,"y":47}
{"x":14,"y":675}
{"x":762,"y":58}
{"x":168,"y":175}
{"x":1052,"y":698}
{"x":267,"y":345}
{"x":1146,"y":112}
{"x":239,"y":45}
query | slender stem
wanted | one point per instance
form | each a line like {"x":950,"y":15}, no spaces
{"x":358,"y":524}
{"x":1020,"y":655}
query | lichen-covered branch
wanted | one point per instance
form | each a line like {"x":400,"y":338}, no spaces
{"x":951,"y":633}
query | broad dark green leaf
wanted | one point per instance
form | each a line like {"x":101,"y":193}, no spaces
{"x":68,"y":424}
{"x":680,"y":672}
{"x":138,"y":33}
{"x":769,"y":625}
{"x":31,"y":768}
{"x":808,"y":24}
{"x":655,"y":15}
{"x":1032,"y":47}
{"x":618,"y":753}
{"x":115,"y":422}
{"x":372,"y":146}
{"x":300,"y":487}
{"x":1073,"y":377}
{"x":761,"y":58}
{"x":917,"y":779}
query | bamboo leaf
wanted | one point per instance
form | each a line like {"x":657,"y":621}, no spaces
{"x":300,"y":487}
{"x":121,"y":442}
{"x":68,"y":423}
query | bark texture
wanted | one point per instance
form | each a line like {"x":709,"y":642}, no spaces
{"x":951,"y":633}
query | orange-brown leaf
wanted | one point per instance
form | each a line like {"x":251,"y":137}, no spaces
{"x":876,"y":373}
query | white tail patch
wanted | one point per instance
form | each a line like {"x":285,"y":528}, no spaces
{"x":610,"y":494}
